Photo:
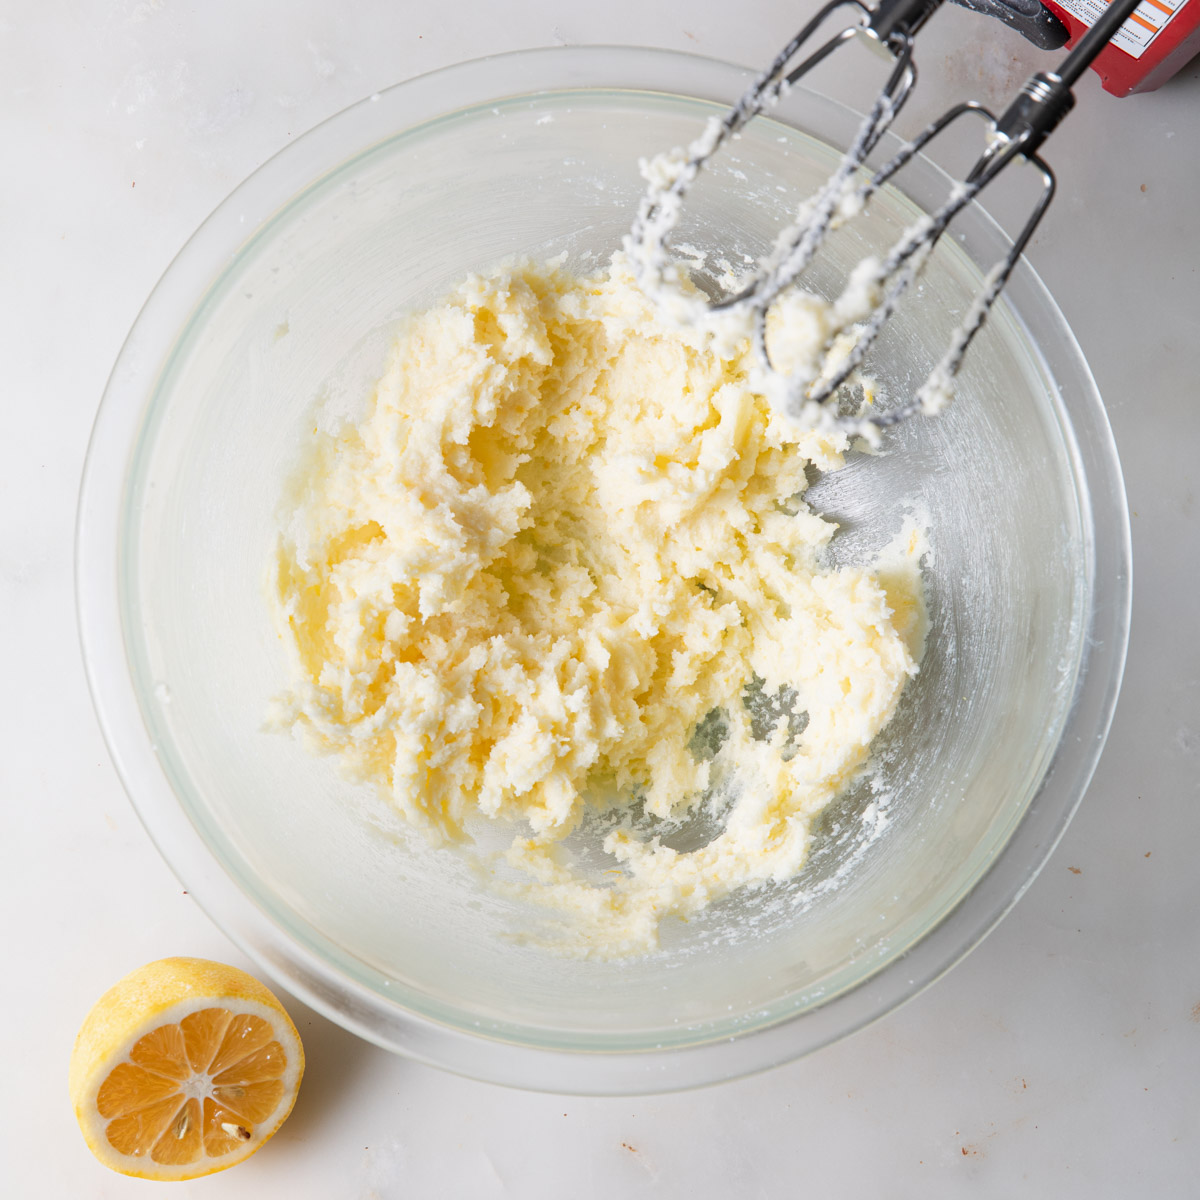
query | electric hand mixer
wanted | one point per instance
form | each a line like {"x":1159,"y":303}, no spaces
{"x":876,"y":285}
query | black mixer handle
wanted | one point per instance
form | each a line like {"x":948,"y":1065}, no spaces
{"x":1030,"y":18}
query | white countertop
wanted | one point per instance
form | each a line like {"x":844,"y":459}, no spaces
{"x":1060,"y":1059}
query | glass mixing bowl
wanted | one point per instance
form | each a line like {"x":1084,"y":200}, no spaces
{"x":275,"y":317}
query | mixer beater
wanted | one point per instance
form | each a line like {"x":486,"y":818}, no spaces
{"x":874,"y":288}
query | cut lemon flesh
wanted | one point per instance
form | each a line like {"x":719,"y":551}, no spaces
{"x":185,"y":1067}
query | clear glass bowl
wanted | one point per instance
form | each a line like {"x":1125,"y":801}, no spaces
{"x":274,"y":318}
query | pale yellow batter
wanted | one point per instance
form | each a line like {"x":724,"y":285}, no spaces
{"x":566,"y":533}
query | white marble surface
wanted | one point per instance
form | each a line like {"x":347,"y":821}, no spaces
{"x":1059,"y":1060}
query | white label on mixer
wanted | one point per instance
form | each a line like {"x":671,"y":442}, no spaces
{"x":1139,"y":31}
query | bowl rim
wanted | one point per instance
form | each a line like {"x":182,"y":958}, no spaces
{"x":98,"y":539}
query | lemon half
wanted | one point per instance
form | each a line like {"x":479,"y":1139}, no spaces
{"x":184,"y":1068}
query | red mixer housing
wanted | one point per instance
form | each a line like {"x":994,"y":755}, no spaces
{"x":1159,"y":38}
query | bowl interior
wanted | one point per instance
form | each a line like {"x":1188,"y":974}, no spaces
{"x":291,"y":336}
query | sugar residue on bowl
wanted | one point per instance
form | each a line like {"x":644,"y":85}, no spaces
{"x":562,"y":574}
